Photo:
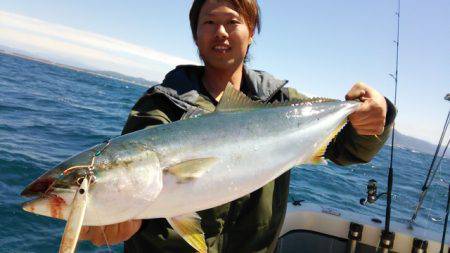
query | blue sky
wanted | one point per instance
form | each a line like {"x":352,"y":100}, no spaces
{"x":321,"y":47}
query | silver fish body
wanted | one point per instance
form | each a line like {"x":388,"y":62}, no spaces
{"x":192,"y":164}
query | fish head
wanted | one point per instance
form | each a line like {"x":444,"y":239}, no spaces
{"x":118,"y":174}
{"x":65,"y":175}
{"x":54,"y":190}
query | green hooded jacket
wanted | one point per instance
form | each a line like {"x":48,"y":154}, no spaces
{"x":253,"y":222}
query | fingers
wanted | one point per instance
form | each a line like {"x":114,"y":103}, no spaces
{"x":111,"y":234}
{"x":370,"y":117}
{"x":355,"y":94}
{"x":374,"y":129}
{"x":368,"y":133}
{"x":358,"y":91}
{"x":129,"y":228}
{"x":368,"y":113}
{"x":369,"y":123}
{"x":84,"y":233}
{"x":98,"y":238}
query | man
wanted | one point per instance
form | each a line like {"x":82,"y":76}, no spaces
{"x":223,"y":32}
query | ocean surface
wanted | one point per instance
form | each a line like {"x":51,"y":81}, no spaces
{"x":48,"y":113}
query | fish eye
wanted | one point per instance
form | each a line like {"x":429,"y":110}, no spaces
{"x":79,"y":180}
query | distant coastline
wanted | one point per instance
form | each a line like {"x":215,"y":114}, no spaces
{"x":106,"y":74}
{"x":415,"y":144}
{"x":401,"y":140}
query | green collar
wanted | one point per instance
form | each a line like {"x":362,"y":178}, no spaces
{"x":182,"y":84}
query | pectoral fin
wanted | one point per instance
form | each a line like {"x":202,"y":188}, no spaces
{"x":189,"y":227}
{"x":191,"y":169}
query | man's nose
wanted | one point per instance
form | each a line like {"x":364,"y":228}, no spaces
{"x":221,"y":32}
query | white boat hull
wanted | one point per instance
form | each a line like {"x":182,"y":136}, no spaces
{"x":335,"y":223}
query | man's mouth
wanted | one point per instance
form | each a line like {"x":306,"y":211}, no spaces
{"x":222,"y":49}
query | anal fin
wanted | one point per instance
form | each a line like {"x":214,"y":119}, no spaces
{"x":189,"y":227}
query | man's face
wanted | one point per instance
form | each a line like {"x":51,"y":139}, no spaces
{"x":222,"y":35}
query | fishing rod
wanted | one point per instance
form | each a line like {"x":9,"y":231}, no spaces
{"x":388,"y":237}
{"x":446,"y":222}
{"x":430,"y":176}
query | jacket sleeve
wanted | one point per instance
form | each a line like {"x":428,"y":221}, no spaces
{"x":349,"y":147}
{"x":151,"y":109}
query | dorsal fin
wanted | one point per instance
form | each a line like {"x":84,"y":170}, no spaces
{"x":233,"y":100}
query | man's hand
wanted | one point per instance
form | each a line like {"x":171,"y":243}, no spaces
{"x":114,"y":234}
{"x":370,"y":117}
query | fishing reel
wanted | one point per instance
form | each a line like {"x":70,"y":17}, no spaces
{"x":372,"y":193}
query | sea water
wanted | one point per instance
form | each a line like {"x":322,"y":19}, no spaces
{"x":48,"y":113}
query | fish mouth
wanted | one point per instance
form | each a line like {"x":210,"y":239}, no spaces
{"x":53,"y":180}
{"x":52,"y":199}
{"x":50,"y":205}
{"x":50,"y":184}
{"x":39,"y":187}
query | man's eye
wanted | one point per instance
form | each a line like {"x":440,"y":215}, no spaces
{"x":234,"y":22}
{"x":208,"y":22}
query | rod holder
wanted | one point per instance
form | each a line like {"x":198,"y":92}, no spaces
{"x":355,"y":231}
{"x":354,"y":236}
{"x":419,"y":246}
{"x":387,"y":241}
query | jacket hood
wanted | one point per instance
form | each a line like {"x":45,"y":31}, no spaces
{"x":181,"y":85}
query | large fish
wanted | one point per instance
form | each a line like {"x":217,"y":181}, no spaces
{"x":172,"y":171}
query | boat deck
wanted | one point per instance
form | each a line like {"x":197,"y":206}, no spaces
{"x":311,"y":228}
